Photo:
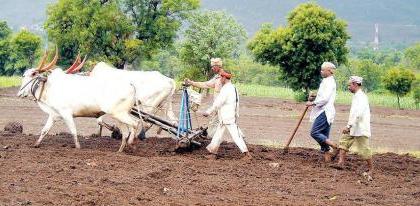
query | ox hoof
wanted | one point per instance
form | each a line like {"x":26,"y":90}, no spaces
{"x":36,"y":145}
{"x":116,"y":133}
{"x":142,"y":135}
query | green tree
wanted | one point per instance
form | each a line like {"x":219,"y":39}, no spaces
{"x":117,"y":31}
{"x":5,"y":32}
{"x":210,"y":34}
{"x":312,"y":35}
{"x":412,"y":56}
{"x":399,"y":82}
{"x":156,"y":22}
{"x":24,"y":49}
{"x":96,"y":28}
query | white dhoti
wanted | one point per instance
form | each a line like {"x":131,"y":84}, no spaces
{"x":235,"y":133}
{"x":212,"y":127}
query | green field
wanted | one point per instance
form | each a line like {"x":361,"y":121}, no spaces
{"x":12,"y":81}
{"x":415,"y":154}
{"x":385,"y":100}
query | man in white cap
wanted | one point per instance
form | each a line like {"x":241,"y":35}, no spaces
{"x":323,"y":111}
{"x":216,"y":84}
{"x":357,"y":131}
{"x":227,"y":106}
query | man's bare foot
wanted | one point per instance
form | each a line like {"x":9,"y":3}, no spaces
{"x":247,"y":156}
{"x":335,"y":153}
{"x":327,"y":157}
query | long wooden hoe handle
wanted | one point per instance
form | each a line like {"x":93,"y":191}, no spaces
{"x":296,"y":128}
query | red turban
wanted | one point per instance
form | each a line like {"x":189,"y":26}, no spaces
{"x":225,"y":74}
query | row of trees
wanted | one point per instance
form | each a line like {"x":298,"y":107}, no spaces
{"x":142,"y":33}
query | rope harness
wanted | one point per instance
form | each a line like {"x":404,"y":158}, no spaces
{"x":35,"y":85}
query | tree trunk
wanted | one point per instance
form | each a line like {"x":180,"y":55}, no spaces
{"x":398,"y":99}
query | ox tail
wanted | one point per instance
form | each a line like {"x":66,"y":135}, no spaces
{"x":169,"y":109}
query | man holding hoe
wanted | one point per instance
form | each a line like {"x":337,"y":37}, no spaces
{"x":323,"y":111}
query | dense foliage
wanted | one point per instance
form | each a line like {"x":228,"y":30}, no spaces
{"x":17,"y":51}
{"x":115,"y":31}
{"x":412,"y":56}
{"x":312,"y":35}
{"x":5,"y":32}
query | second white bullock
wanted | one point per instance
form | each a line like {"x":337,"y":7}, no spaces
{"x":153,"y":90}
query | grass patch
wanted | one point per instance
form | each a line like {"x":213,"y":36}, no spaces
{"x":12,"y":81}
{"x":265,"y":91}
{"x":415,"y":154}
{"x":383,"y":100}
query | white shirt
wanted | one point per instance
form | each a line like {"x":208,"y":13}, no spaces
{"x":226,"y":104}
{"x":359,"y":117}
{"x":324,"y":100}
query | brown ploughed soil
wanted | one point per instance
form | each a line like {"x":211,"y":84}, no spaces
{"x":152,"y":173}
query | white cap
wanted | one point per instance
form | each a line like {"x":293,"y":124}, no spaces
{"x":216,"y":62}
{"x":328,"y":65}
{"x":356,"y":79}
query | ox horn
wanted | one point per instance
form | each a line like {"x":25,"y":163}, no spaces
{"x":52,"y":63}
{"x":75,"y":63}
{"x":42,"y":62}
{"x":79,"y":66}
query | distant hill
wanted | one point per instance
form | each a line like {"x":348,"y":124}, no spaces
{"x":29,"y":14}
{"x":399,"y":21}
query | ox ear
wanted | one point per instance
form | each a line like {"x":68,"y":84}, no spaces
{"x":75,"y":63}
{"x":52,"y":63}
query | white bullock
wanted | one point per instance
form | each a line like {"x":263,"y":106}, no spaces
{"x":66,"y":96}
{"x":153,"y":89}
